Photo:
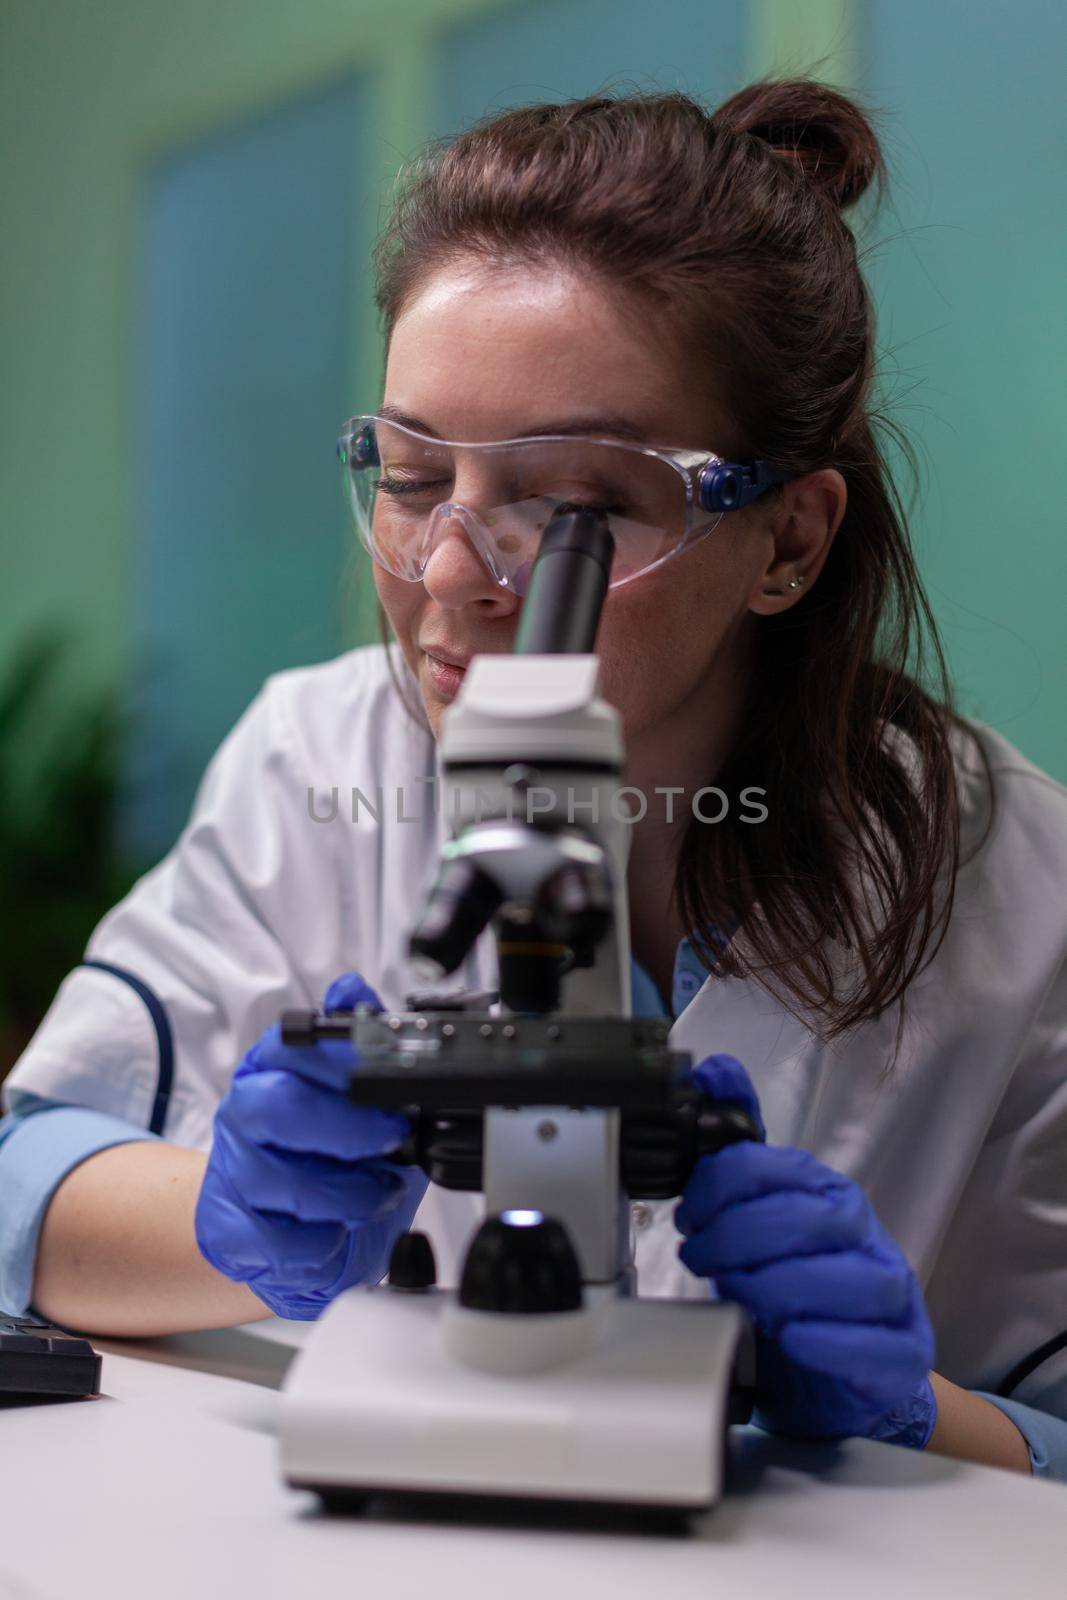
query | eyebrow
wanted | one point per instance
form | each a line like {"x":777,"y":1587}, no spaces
{"x":605,"y":425}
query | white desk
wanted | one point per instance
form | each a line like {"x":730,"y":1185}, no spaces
{"x":168,"y":1487}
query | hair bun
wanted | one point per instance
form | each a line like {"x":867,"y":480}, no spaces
{"x":822,"y":133}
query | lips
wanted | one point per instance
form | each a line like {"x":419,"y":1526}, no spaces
{"x":448,"y":658}
{"x":444,"y":677}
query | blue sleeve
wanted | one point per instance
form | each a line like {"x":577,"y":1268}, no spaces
{"x":40,"y":1142}
{"x":1045,"y":1435}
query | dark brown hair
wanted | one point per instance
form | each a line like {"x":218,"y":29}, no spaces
{"x":730,"y":225}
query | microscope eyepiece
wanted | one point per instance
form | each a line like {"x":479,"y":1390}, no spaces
{"x":561,"y":611}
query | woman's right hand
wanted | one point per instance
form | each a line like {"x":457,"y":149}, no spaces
{"x":300,"y":1199}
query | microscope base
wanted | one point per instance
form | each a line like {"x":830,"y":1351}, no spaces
{"x":388,"y":1397}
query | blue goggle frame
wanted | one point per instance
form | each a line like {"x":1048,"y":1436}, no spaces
{"x":721,"y":485}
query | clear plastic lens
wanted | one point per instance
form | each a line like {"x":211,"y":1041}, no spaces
{"x":504,"y":495}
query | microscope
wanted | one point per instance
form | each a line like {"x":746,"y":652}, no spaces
{"x":544,"y":1377}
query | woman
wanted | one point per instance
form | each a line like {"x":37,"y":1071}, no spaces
{"x":628,"y":281}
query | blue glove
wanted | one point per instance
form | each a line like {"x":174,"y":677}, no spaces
{"x":843,"y":1339}
{"x":299,"y":1199}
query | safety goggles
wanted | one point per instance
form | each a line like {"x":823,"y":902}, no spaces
{"x":407,"y":491}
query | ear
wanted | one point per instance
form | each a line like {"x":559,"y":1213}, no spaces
{"x":803,"y":523}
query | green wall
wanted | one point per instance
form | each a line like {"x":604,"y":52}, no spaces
{"x":90,"y":96}
{"x":966,"y":276}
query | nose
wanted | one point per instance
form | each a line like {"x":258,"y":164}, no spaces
{"x":456,"y":575}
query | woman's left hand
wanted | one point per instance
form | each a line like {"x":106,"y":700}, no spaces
{"x":843,"y":1340}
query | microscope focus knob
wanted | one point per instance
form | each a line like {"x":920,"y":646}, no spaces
{"x":411,"y":1265}
{"x":521,"y":1261}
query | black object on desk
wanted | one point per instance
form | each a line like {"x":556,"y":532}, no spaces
{"x":37,"y":1359}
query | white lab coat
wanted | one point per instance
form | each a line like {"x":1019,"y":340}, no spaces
{"x":961,"y":1144}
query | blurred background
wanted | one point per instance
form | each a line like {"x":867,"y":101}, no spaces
{"x":188,"y":197}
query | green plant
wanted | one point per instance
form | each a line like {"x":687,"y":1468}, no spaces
{"x":60,"y":868}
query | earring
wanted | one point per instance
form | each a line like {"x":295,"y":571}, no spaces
{"x":794,"y":583}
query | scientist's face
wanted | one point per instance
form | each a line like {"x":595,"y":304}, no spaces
{"x":480,"y":355}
